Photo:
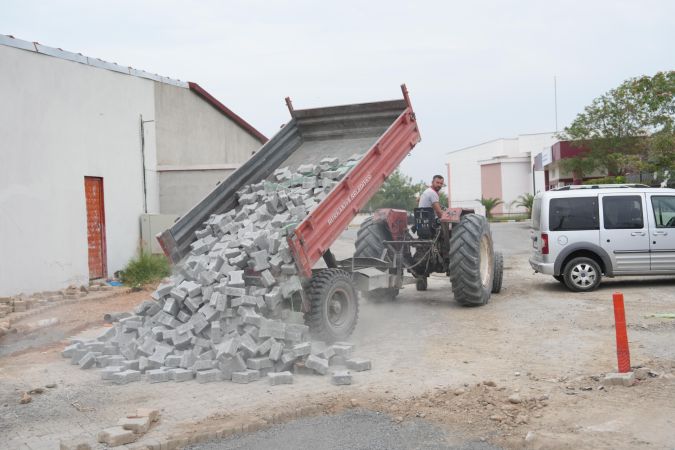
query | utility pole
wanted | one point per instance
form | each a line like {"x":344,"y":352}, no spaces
{"x":555,"y":101}
{"x":145,"y":184}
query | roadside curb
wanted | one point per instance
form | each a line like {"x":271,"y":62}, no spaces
{"x":179,"y":441}
{"x":16,"y":317}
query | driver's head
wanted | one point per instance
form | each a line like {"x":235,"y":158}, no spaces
{"x":437,"y":183}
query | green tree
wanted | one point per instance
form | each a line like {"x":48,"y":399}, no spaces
{"x":489,"y":204}
{"x":442,"y":198}
{"x":628,"y":129}
{"x":397,"y":191}
{"x":526,"y":201}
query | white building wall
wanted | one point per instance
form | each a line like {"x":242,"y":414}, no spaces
{"x":66,"y":121}
{"x":516,"y":181}
{"x":535,"y":144}
{"x":197,"y":147}
{"x":465,"y":177}
{"x":465,"y":180}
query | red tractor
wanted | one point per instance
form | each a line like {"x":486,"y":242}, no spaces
{"x":459,"y":244}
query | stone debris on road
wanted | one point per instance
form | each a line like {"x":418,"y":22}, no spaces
{"x":619,"y":379}
{"x":230,"y":311}
{"x":128,"y":429}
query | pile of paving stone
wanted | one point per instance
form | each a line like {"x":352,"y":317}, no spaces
{"x":224,"y":314}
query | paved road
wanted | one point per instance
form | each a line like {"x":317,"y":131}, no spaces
{"x":355,"y":429}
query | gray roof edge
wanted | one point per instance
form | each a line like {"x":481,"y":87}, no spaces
{"x":35,"y":47}
{"x":500,"y":139}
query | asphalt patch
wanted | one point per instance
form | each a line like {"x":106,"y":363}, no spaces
{"x":353,"y":429}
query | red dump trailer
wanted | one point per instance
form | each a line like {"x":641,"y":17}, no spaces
{"x":383,"y":133}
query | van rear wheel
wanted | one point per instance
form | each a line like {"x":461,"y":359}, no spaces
{"x":582,"y":274}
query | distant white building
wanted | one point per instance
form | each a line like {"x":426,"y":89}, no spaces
{"x":87,"y":147}
{"x":502,"y":168}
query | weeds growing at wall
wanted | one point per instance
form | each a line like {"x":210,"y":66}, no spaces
{"x":145,"y":268}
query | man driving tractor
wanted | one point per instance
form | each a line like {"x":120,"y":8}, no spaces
{"x":430,"y":198}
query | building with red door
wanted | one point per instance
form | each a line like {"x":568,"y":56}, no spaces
{"x":88,"y":148}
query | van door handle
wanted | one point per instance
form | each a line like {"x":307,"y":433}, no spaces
{"x":660,"y":233}
{"x":638,"y":233}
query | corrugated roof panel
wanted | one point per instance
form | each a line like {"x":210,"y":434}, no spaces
{"x":95,"y":62}
{"x":57,"y":52}
{"x":18,"y":43}
{"x":144,"y":74}
{"x":11,"y":41}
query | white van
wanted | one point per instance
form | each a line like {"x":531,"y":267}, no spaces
{"x":580,"y":233}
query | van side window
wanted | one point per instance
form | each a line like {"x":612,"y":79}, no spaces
{"x":536,"y":212}
{"x":622,"y":212}
{"x":664,"y":211}
{"x":569,"y":214}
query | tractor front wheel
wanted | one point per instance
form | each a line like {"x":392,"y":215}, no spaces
{"x":498,"y":276}
{"x":334,"y":305}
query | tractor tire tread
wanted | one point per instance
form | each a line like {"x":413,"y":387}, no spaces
{"x":464,"y":263}
{"x":322,"y":281}
{"x":498,"y":274}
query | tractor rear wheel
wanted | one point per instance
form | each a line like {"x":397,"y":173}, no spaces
{"x":471,"y":264}
{"x":334,"y":305}
{"x":370,"y":244}
{"x":498,"y":276}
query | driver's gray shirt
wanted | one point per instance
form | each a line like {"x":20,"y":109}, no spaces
{"x":428,"y":198}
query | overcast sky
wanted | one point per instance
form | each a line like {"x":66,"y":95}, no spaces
{"x":476,"y":70}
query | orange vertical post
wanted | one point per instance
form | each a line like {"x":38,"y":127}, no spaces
{"x":622,"y":352}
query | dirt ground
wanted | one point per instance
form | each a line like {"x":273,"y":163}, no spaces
{"x":522,"y":371}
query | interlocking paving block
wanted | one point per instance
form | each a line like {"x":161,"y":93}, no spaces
{"x":319,"y":365}
{"x":115,"y":436}
{"x":358,"y":364}
{"x":108,"y":372}
{"x":157,"y":375}
{"x":209,"y":376}
{"x":341,"y":377}
{"x":245,"y":376}
{"x":126,"y":377}
{"x":179,"y":375}
{"x":139,"y":425}
{"x":276,"y":378}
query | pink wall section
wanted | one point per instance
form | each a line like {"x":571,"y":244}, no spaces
{"x":491,"y":183}
{"x":447,"y":182}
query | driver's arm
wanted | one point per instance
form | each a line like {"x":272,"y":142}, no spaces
{"x":437,"y":209}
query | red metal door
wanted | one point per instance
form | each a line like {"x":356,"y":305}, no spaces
{"x":93,"y":190}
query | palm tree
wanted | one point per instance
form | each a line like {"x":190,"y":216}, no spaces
{"x":489,"y":204}
{"x":526,"y":201}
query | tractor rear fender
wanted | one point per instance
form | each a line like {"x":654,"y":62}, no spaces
{"x":453,"y":215}
{"x":396,"y":221}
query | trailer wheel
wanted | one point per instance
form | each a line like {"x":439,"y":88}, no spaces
{"x":370,"y":243}
{"x":334,"y":305}
{"x":498,"y":273}
{"x":471,"y":264}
